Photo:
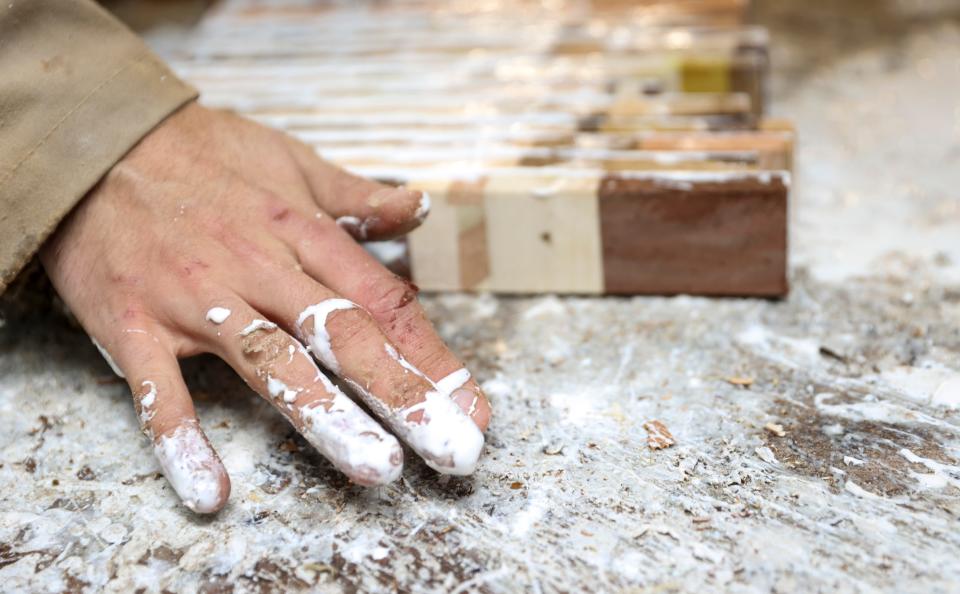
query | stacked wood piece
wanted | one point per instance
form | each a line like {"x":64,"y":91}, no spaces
{"x":568,"y":146}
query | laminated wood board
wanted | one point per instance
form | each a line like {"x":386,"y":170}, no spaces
{"x":773,"y":147}
{"x":369,"y":160}
{"x":595,"y":233}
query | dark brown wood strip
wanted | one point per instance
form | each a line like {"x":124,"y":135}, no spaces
{"x":695,"y":237}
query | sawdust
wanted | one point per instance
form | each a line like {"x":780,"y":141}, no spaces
{"x":571,"y":381}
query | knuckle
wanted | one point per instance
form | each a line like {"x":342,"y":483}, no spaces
{"x":128,"y":316}
{"x":348,"y":184}
{"x":392,"y":302}
{"x":433,"y":358}
{"x":243,"y":249}
{"x":191,"y":271}
{"x":263,"y":347}
{"x":275,"y":207}
{"x":317,"y":231}
{"x":127,"y":309}
{"x":351,"y":328}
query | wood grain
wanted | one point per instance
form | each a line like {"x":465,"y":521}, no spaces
{"x":708,"y":238}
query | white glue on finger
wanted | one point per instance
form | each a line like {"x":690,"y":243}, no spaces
{"x":352,"y":441}
{"x":346,"y":435}
{"x":403,"y":362}
{"x":218,"y":315}
{"x":446,"y":438}
{"x":355,"y":226}
{"x":447,"y":385}
{"x":453,"y":381}
{"x":140,"y":331}
{"x":319,"y":340}
{"x":191,"y":466}
{"x":258,"y":325}
{"x":277,"y":389}
{"x":107,"y":357}
{"x":147,"y":401}
{"x":424,"y":208}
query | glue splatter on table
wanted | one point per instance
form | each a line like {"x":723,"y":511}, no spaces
{"x":859,"y":370}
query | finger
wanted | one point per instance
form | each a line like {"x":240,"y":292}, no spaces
{"x":366,"y":209}
{"x":346,"y":268}
{"x":167,"y":417}
{"x":350,"y":344}
{"x":280,"y":369}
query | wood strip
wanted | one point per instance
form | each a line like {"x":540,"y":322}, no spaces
{"x":435,"y":245}
{"x":543,"y":234}
{"x":694,"y":237}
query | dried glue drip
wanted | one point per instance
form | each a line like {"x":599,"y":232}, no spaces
{"x":424,"y":208}
{"x":192,"y":468}
{"x":107,"y":357}
{"x":447,"y":385}
{"x":320,"y":339}
{"x":218,"y":315}
{"x":139,"y":331}
{"x":277,"y":388}
{"x":403,"y":362}
{"x":146,"y":403}
{"x":453,"y":381}
{"x":258,"y":325}
{"x":355,"y":226}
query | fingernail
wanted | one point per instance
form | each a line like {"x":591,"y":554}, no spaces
{"x":474,"y":405}
{"x":466,"y":400}
{"x":193,"y":469}
{"x":424,"y":208}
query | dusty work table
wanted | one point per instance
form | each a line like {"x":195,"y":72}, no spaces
{"x":817,"y":437}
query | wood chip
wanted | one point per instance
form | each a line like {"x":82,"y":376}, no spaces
{"x":739,"y":381}
{"x":775,"y":428}
{"x":766,"y":454}
{"x":553,"y":449}
{"x":701,"y":519}
{"x":832,"y":354}
{"x":658,"y":436}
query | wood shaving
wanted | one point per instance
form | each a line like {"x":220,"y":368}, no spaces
{"x":739,"y":381}
{"x":766,"y":454}
{"x":775,"y":428}
{"x":553,"y":449}
{"x":658,"y":436}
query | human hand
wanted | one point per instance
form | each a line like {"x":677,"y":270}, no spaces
{"x":217,"y":235}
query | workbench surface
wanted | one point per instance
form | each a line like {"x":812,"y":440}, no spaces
{"x":860,"y":366}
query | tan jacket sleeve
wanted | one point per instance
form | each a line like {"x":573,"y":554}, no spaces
{"x":77,"y":91}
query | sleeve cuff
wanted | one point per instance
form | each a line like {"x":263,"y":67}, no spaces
{"x":83,"y":91}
